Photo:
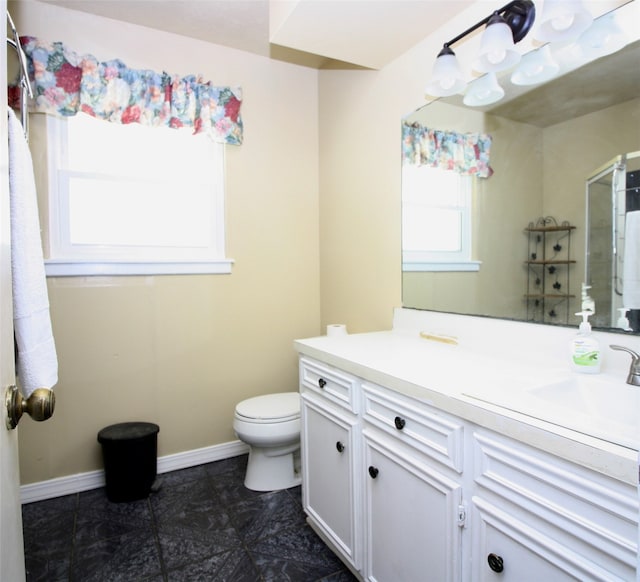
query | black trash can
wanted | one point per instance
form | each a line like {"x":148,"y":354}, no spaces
{"x":129,"y":451}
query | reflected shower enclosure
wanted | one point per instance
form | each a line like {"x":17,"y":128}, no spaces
{"x":612,"y":192}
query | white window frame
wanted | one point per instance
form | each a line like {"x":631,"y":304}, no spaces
{"x":417,"y":260}
{"x":66,"y":259}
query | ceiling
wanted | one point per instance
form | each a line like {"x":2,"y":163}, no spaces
{"x":315,"y":33}
{"x":329,"y":34}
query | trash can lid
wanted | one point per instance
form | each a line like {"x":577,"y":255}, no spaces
{"x":127,"y":430}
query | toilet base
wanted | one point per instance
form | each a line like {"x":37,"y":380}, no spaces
{"x":272,"y":469}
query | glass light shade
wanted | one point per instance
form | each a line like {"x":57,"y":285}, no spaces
{"x":446,"y":77}
{"x":562,"y":20}
{"x":497,"y":49}
{"x":483,"y":91}
{"x":535,"y":67}
{"x":603,"y":37}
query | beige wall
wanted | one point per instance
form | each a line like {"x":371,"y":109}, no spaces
{"x":183,"y":350}
{"x":360,"y":121}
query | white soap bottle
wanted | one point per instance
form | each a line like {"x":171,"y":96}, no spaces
{"x":585,"y":349}
{"x":623,"y":321}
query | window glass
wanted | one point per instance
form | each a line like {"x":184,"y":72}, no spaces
{"x":129,"y":198}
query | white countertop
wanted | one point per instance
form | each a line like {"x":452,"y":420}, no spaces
{"x":442,"y":375}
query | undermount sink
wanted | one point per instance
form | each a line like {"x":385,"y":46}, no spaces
{"x":599,"y":399}
{"x":597,"y":405}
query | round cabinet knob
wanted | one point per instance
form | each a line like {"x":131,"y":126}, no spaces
{"x":322,"y":382}
{"x":373,"y":472}
{"x":495,"y":562}
{"x":399,"y":422}
{"x":340,"y":447}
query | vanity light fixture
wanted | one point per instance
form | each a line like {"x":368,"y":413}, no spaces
{"x":446,"y":77}
{"x":535,"y":67}
{"x":562,"y":20}
{"x":497,"y":49}
{"x":505,"y":27}
{"x":483,"y":91}
{"x":603,"y":37}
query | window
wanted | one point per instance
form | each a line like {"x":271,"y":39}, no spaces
{"x":436,"y":220}
{"x":130,"y":199}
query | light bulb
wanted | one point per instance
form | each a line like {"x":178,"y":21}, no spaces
{"x":535,"y":67}
{"x":562,"y":22}
{"x":497,"y":50}
{"x":496,"y":57}
{"x":446,"y":77}
{"x":483,"y":91}
{"x":447,"y":83}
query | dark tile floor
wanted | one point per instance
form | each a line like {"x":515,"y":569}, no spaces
{"x":201,"y":525}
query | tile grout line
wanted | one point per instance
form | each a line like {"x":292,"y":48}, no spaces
{"x":156,"y":538}
{"x":243,"y":545}
{"x":72,"y":551}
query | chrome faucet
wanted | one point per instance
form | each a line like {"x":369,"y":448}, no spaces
{"x":634,"y":371}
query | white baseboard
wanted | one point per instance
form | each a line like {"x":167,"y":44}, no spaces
{"x":94,"y":479}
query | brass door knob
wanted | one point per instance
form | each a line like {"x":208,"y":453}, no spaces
{"x":39,"y":405}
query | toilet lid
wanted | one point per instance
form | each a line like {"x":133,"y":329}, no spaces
{"x":271,"y":407}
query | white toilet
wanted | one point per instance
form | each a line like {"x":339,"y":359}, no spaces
{"x":270,"y":425}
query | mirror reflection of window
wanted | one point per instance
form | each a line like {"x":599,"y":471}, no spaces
{"x":436,"y":219}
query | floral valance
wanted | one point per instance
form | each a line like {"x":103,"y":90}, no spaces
{"x":465,"y":153}
{"x":65,"y":83}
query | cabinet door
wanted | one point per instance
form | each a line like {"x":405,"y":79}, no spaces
{"x":329,"y":450}
{"x":412,"y":533}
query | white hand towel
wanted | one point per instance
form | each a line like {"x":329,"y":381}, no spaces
{"x":37,"y":359}
{"x":631,"y":265}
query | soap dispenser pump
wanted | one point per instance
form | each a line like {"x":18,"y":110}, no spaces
{"x":588,"y":304}
{"x":585,"y":349}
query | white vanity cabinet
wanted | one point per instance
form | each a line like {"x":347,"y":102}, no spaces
{"x":330,"y":447}
{"x":537,"y":517}
{"x":413,"y":490}
{"x":406,"y":492}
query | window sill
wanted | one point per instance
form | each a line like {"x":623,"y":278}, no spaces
{"x":467,"y":266}
{"x":69,"y":268}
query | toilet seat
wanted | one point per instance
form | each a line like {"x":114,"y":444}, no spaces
{"x":270,"y":408}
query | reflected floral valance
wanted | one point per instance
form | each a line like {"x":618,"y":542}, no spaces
{"x":465,"y":153}
{"x":65,"y":83}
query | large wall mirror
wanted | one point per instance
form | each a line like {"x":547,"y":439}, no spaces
{"x":554,"y":148}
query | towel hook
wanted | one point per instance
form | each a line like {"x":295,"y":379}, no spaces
{"x":39,"y":406}
{"x":26,"y":91}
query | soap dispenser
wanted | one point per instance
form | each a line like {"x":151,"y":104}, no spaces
{"x":623,"y":321}
{"x":585,"y":349}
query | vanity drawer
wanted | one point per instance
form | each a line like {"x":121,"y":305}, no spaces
{"x":591,"y":514}
{"x":335,"y":385}
{"x":416,"y":424}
